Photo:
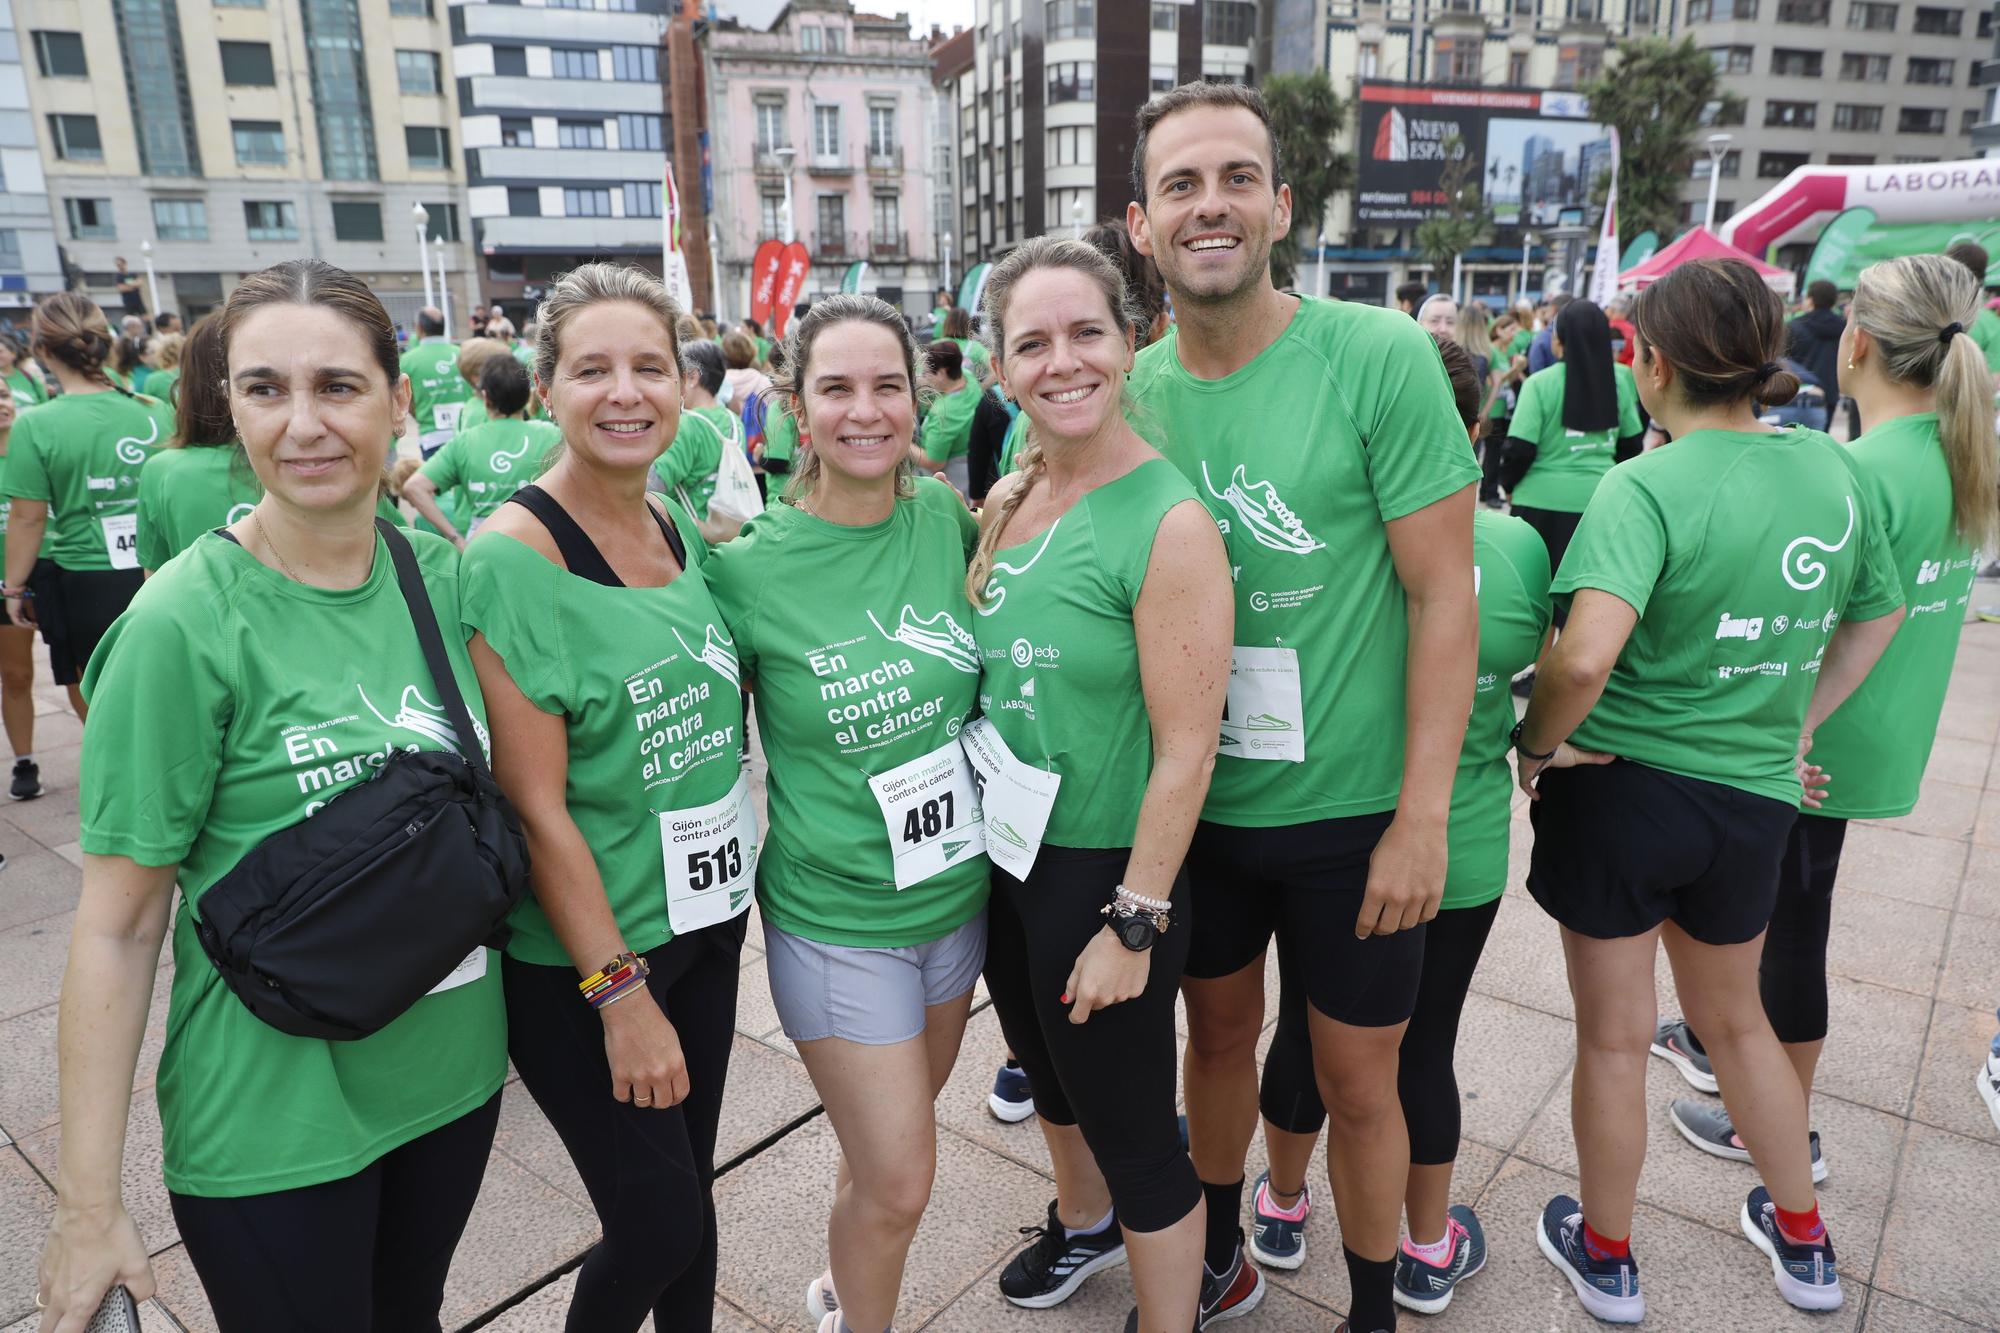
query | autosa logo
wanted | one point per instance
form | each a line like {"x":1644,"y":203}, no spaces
{"x":1404,"y":138}
{"x":1025,"y":654}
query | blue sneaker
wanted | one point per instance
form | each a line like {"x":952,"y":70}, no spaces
{"x":1278,"y":1240}
{"x":1608,"y":1288}
{"x":1805,"y":1273}
{"x":1426,"y":1288}
{"x":1010,"y":1099}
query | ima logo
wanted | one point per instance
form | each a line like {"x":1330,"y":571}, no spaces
{"x":1401,"y":138}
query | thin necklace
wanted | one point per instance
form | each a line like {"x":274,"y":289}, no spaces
{"x":265,"y":537}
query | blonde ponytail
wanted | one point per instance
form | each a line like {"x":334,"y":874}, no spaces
{"x":1030,"y":471}
{"x":1965,"y":424}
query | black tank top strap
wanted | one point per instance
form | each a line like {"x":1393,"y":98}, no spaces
{"x":579,"y":552}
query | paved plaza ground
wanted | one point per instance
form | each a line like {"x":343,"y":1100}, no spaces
{"x":1914,"y":1156}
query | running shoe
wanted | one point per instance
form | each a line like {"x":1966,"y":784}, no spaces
{"x":1989,"y":1082}
{"x":1279,"y":1238}
{"x":820,"y":1300}
{"x":1989,"y":614}
{"x":1674,"y":1043}
{"x":1425,"y":1287}
{"x":27,"y":780}
{"x":1232,"y":1293}
{"x":1010,"y":1099}
{"x":1608,"y":1288}
{"x":1523,"y":687}
{"x":1707,"y":1127}
{"x":1805,"y":1274}
{"x":1055,"y":1264}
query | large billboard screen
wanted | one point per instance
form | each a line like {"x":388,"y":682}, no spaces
{"x":1539,"y":152}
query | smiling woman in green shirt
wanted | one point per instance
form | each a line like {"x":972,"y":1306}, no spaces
{"x":316,"y":1185}
{"x":848,"y":607}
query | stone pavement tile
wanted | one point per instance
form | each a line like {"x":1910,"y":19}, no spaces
{"x":773,"y":1222}
{"x":1944,"y":810}
{"x":766,"y":1092}
{"x":1904,"y":866}
{"x":153,"y":1318}
{"x":143,"y":1181}
{"x":961,"y":1106}
{"x":26,"y":1205}
{"x":1507,"y":1060}
{"x":1893,"y":1314}
{"x":71,"y":852}
{"x":1100,"y":1306}
{"x":1862,"y":1146}
{"x":521,"y":1229}
{"x":1693,"y":1277}
{"x":1944,"y":1199}
{"x":1979,"y":895}
{"x":1970,"y":712}
{"x":37,"y":883}
{"x":1886,"y":942}
{"x":1986,"y":830}
{"x":49,"y":819}
{"x":32,"y":958}
{"x":28,"y":1054}
{"x":1523,"y":961}
{"x":1972,"y":966}
{"x":756,"y":1015}
{"x":179,"y":1290}
{"x":1955,"y":759}
{"x":544,"y":1311}
{"x":527,"y":1138}
{"x":1876,"y":1038}
{"x":1946,"y":1097}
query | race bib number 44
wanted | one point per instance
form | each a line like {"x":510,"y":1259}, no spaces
{"x":1264,"y":717}
{"x":121,"y":539}
{"x":930,"y":807}
{"x":711,"y":859}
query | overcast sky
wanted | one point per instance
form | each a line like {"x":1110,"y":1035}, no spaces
{"x":922,"y":13}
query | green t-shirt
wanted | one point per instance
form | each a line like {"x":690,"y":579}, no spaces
{"x":1499,"y":407}
{"x":1061,"y":676}
{"x":227,"y":703}
{"x":947,"y":432}
{"x":1876,"y":744}
{"x":975,"y":353}
{"x":763,"y":351}
{"x":1985,"y":331}
{"x":781,"y":444}
{"x":857,"y":638}
{"x":81,"y":453}
{"x":473,"y":413}
{"x":1568,"y":463}
{"x":161,"y":384}
{"x":524,"y":352}
{"x":1740,"y":550}
{"x":27,"y":390}
{"x":1017,"y":433}
{"x":1344,"y":422}
{"x":437,"y":391}
{"x":686,"y":470}
{"x":1510,"y":571}
{"x":646,"y":682}
{"x":488,"y":463}
{"x":188,"y":491}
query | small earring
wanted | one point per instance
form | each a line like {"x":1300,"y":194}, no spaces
{"x":1850,"y":363}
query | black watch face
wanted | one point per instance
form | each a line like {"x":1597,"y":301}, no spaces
{"x":1136,"y":932}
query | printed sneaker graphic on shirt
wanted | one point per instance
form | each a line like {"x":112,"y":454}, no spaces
{"x":996,"y":592}
{"x":1270,"y":520}
{"x":719,"y":652}
{"x":1006,"y":832}
{"x":421,"y":716}
{"x":1801,"y":568}
{"x":131,"y":450}
{"x":1264,"y":722}
{"x":940,"y":636}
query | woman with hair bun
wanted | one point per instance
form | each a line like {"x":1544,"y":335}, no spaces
{"x":73,"y":476}
{"x":1725,"y":594}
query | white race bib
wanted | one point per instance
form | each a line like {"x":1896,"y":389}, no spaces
{"x":930,"y":807}
{"x":121,"y":539}
{"x":1014,"y":797}
{"x":711,"y":856}
{"x":470,"y":969}
{"x":1264,"y":718}
{"x":445,"y":416}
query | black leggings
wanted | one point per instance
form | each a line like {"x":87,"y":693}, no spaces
{"x":364,"y":1254}
{"x":1792,"y":973}
{"x":1556,"y":527}
{"x":649,"y":1171}
{"x":1112,"y":1076}
{"x":1289,"y":1097}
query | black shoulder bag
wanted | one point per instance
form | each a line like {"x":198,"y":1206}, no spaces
{"x":334,"y":927}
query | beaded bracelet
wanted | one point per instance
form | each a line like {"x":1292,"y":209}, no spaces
{"x":1140,"y":899}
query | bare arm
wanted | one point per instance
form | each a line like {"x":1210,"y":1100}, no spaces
{"x":421,"y":492}
{"x":1851,"y":654}
{"x":114,"y":950}
{"x":1572,"y":675}
{"x":27,"y":521}
{"x":1432,"y":549}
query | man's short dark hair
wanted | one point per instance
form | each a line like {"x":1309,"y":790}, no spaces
{"x":1198,"y":94}
{"x":1558,"y":301}
{"x":503,"y":382}
{"x":430,"y":323}
{"x":1971,"y":254}
{"x":945,"y":357}
{"x":1409,"y":293}
{"x":703,"y":359}
{"x":1822,"y":294}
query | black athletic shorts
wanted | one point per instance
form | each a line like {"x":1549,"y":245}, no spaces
{"x":1622,"y":847}
{"x":1306,"y":882}
{"x":74,"y":608}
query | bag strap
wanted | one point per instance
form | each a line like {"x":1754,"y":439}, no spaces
{"x":411,"y":580}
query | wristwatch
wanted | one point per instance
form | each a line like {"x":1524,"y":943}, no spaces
{"x":1514,"y":740}
{"x":1136,"y":927}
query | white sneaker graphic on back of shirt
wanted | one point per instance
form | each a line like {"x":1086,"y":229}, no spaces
{"x":1270,"y":520}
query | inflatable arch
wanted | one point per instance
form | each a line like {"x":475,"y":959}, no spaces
{"x":1799,"y":205}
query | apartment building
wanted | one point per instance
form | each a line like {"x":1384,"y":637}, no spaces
{"x":1986,"y":77}
{"x":217,"y":137}
{"x":1844,"y":82}
{"x":563,"y":115}
{"x":1046,"y":92}
{"x":30,"y":265}
{"x":827,"y":113}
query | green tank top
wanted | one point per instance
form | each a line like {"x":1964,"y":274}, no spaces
{"x":1060,"y":660}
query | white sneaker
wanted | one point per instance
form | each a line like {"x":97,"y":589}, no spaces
{"x":820,"y":1300}
{"x":1989,"y":1085}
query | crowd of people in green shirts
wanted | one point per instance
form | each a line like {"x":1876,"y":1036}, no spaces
{"x":1218,"y":658}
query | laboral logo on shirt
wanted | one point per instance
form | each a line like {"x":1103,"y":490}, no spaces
{"x":1263,"y":513}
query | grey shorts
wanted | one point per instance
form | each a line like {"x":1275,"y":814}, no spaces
{"x":875,"y":997}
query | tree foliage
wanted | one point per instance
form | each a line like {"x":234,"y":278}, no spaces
{"x":1661,"y":96}
{"x":1465,"y":218}
{"x":1308,"y":116}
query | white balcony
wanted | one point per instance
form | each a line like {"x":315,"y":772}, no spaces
{"x":515,"y":92}
{"x":569,"y":164}
{"x":572,"y":235}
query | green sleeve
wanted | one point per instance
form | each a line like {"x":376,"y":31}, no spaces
{"x":506,"y":592}
{"x":1531,"y":410}
{"x":1620,"y":545}
{"x":1877,"y":589}
{"x":160,"y":702}
{"x":387,"y":508}
{"x":696,"y":450}
{"x":1417,"y":450}
{"x":27,"y":475}
{"x":943,"y":499}
{"x":781,"y":433}
{"x":736,"y":582}
{"x":1628,"y":404}
{"x":445,"y":469}
{"x":153,"y":542}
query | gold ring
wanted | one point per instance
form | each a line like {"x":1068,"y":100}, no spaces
{"x":641,"y":1101}
{"x":40,"y":1302}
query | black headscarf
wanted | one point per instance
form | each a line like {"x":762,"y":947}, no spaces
{"x":1590,"y":393}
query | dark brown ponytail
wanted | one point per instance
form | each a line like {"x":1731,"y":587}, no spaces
{"x":70,"y":328}
{"x":1721,"y":329}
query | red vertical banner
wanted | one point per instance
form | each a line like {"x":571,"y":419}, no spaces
{"x":764,"y":280}
{"x":791,"y":281}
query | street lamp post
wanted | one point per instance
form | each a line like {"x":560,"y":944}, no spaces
{"x":421,"y":217}
{"x":444,"y":288}
{"x":944,"y":277}
{"x":785,"y":155}
{"x":1319,"y":278}
{"x":152,"y":279}
{"x":1527,"y":243}
{"x":1076,"y":214}
{"x":1718,"y":147}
